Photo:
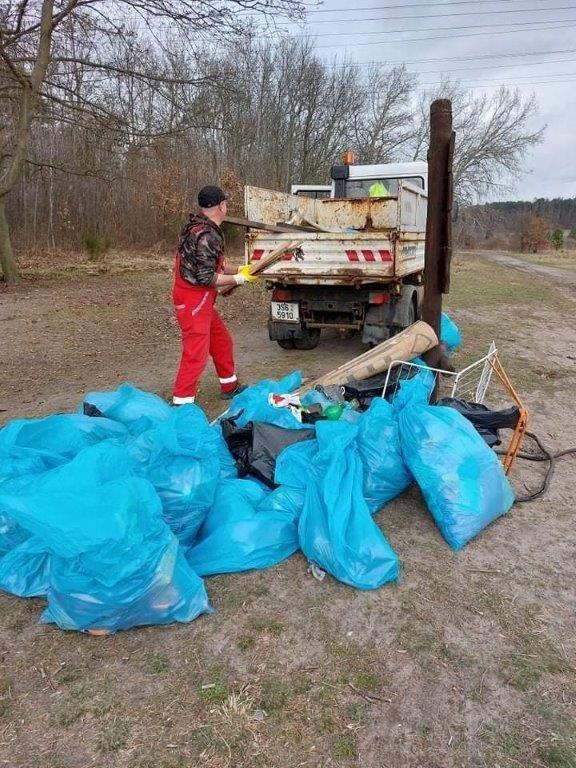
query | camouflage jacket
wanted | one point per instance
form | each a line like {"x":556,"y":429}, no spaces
{"x":201,"y":251}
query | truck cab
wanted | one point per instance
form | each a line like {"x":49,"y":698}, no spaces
{"x":358,"y":181}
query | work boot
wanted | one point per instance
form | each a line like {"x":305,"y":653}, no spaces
{"x":233,"y":392}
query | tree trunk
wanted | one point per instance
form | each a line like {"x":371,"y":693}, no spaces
{"x":11,"y":172}
{"x":7,"y":262}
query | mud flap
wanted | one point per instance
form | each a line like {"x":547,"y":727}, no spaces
{"x":279,"y":331}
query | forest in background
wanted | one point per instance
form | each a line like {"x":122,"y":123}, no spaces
{"x":519,"y":225}
{"x":110,"y":127}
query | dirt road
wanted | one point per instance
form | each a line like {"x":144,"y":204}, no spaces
{"x":565,"y":277}
{"x":467,"y":663}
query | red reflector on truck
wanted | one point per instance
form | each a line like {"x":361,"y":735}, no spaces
{"x":378,"y":298}
{"x":281,"y":296}
{"x":257,"y":255}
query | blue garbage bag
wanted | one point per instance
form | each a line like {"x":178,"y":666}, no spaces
{"x":385,"y":472}
{"x":248,"y":527}
{"x":253,"y":403}
{"x":450,"y":334}
{"x":11,"y":534}
{"x":461,"y":478}
{"x":136,"y":409}
{"x":25,"y":570}
{"x":416,"y":390}
{"x":336,"y":530}
{"x":114,"y":562}
{"x":28,"y":446}
{"x":228,"y":469}
{"x":180,"y":457}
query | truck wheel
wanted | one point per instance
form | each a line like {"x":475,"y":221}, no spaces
{"x":309,"y":340}
{"x":286,"y":343}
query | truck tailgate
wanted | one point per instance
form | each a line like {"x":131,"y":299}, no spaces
{"x":326,"y":258}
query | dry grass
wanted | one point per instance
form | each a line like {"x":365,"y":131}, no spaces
{"x":467,"y":663}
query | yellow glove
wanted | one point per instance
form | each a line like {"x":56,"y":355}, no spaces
{"x":246,"y":273}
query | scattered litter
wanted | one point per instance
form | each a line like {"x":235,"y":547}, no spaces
{"x":316,"y":572}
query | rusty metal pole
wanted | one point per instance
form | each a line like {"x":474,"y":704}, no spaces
{"x":438,"y":251}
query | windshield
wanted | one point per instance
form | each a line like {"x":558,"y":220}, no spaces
{"x":379,"y":187}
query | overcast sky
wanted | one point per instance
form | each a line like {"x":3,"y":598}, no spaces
{"x":529,"y":44}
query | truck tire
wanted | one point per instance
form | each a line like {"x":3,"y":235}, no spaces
{"x":410,"y":319}
{"x":286,"y":343}
{"x":309,"y":339}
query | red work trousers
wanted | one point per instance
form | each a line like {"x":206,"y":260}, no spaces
{"x":203,"y":334}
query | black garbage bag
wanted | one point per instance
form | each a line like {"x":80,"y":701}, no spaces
{"x":366,"y":390}
{"x":486,"y":422}
{"x":256,"y":446}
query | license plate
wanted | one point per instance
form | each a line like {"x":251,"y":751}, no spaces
{"x":287,"y":311}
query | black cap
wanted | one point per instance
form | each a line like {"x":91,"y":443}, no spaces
{"x":210,"y":196}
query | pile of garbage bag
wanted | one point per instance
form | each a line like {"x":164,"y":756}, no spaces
{"x":115,"y":513}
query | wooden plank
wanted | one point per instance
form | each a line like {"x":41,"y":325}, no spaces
{"x":272,"y":258}
{"x":248,"y":224}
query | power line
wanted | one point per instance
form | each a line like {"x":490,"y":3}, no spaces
{"x":440,"y":29}
{"x":404,"y":6}
{"x":494,"y":66}
{"x":522,"y":77}
{"x":474,"y":86}
{"x":388,"y":63}
{"x":567,"y":24}
{"x":434,"y":16}
{"x":565,"y":77}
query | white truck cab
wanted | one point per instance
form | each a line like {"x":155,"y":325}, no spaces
{"x":356,"y":181}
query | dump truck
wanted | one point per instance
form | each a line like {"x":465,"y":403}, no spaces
{"x":360,"y":256}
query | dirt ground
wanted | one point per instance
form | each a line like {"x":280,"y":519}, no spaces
{"x":468,"y":662}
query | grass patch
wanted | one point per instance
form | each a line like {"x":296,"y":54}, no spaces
{"x":113,"y":736}
{"x":266,"y":626}
{"x":246,"y":642}
{"x":69,"y":713}
{"x":357,"y":712}
{"x":558,"y":755}
{"x":214,"y":693}
{"x":275,"y":694}
{"x":367,"y":682}
{"x":159,"y":664}
{"x":345,"y":748}
{"x":478,"y":283}
{"x":523,"y":670}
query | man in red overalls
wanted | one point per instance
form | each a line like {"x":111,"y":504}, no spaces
{"x":199,"y":272}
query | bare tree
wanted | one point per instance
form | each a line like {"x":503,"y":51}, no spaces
{"x":493,"y":137}
{"x":385,"y":124}
{"x":55,"y":56}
